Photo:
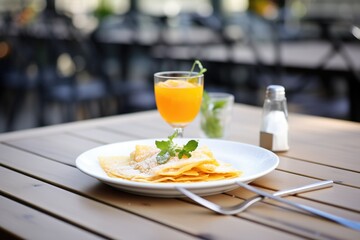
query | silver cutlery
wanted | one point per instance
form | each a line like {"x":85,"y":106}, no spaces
{"x":248,"y":202}
{"x":343,"y":221}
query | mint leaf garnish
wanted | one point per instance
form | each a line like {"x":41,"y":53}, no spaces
{"x":170,"y":149}
{"x":163,"y":145}
{"x":190,"y":146}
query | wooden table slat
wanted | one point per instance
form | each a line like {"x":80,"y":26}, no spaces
{"x":85,"y":212}
{"x":309,"y":169}
{"x":25,"y":222}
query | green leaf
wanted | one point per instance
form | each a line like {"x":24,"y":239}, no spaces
{"x":206,"y":96}
{"x":169,"y":149}
{"x":219,"y":104}
{"x":205,"y":102}
{"x":181,"y":153}
{"x":191,"y":146}
{"x":162,"y":145}
{"x":210,"y":122}
{"x":172,"y":152}
{"x":212,"y":127}
{"x":162,"y":152}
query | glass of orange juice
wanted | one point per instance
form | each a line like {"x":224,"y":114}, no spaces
{"x":178,"y":96}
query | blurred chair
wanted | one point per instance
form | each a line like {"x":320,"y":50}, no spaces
{"x":18,"y":77}
{"x":90,"y":88}
{"x":260,"y":39}
{"x":117,"y":41}
{"x":80,"y":85}
{"x":264,"y":37}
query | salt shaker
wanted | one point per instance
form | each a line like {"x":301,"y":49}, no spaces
{"x":274,"y":123}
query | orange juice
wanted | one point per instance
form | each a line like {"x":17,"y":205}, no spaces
{"x":178,"y":101}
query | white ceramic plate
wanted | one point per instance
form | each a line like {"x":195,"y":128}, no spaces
{"x":253,"y":161}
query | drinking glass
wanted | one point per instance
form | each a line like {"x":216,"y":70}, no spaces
{"x":216,"y":111}
{"x":178,"y":96}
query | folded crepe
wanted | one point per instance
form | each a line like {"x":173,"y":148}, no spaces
{"x":142,"y":166}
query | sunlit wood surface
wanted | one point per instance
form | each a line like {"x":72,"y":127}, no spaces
{"x":44,"y":196}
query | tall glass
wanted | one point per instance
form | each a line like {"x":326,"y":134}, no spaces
{"x":178,"y":96}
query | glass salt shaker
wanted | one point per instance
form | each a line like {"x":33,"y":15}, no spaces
{"x":274,"y":123}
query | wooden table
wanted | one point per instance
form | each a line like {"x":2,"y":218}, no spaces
{"x":43,"y":195}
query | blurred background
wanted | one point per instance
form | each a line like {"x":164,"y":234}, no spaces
{"x":69,"y":60}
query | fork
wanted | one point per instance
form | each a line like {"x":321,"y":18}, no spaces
{"x":238,"y":208}
{"x":343,"y":221}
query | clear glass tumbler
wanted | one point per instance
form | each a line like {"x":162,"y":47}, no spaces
{"x":216,"y":114}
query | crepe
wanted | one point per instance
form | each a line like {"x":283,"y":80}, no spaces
{"x":142,"y":166}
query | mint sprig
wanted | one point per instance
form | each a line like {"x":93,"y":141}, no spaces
{"x":202,"y":70}
{"x":169,"y":149}
{"x":198,"y":63}
{"x":211,"y":122}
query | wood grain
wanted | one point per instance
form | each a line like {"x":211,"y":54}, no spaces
{"x":38,"y":178}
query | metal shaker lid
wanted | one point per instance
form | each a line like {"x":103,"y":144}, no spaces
{"x":275,"y":92}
